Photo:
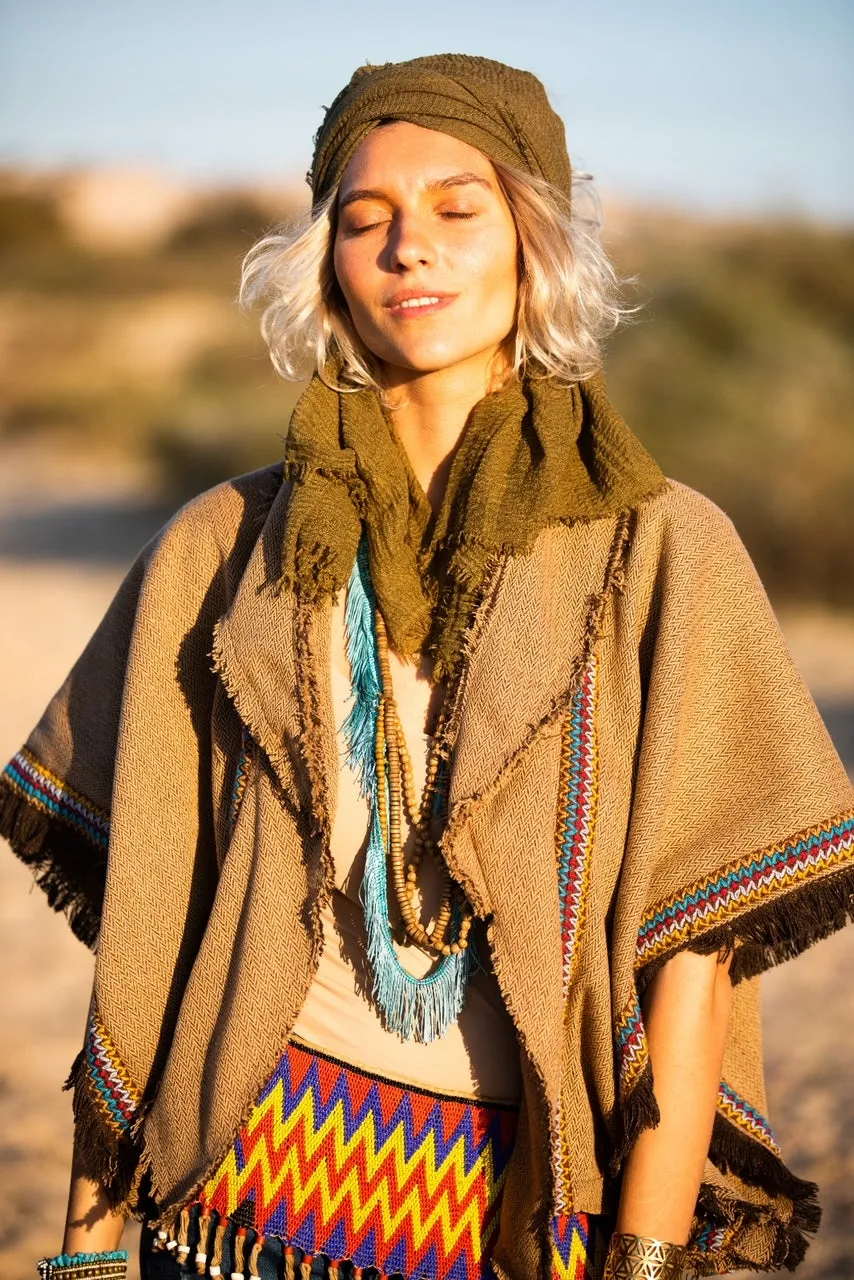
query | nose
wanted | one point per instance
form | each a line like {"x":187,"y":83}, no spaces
{"x":410,"y":244}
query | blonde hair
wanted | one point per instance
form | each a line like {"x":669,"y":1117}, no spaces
{"x":569,"y":294}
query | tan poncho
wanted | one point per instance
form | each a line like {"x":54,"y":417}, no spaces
{"x":636,"y":767}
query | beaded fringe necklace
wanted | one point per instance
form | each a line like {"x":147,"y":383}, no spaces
{"x":415,"y":1008}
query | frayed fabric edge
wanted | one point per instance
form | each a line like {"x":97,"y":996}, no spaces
{"x":66,"y":866}
{"x":732,"y":1151}
{"x":114,"y":1161}
{"x":638,"y":1111}
{"x":791,"y":1226}
{"x":772,"y":932}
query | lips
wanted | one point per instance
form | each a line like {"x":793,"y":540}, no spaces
{"x":409,"y":303}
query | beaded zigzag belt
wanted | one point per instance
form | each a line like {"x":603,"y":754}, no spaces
{"x":338,"y":1162}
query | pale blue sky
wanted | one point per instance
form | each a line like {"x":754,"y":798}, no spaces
{"x":734,"y":106}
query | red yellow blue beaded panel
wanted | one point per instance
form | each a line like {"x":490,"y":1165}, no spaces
{"x":579,"y":1246}
{"x":339,"y":1162}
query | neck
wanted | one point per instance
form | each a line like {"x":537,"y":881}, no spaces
{"x":429,"y":411}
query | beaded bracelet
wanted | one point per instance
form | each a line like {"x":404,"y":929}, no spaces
{"x":641,"y":1258}
{"x":85,"y":1266}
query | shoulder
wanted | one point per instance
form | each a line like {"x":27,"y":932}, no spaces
{"x":219,"y":525}
{"x":686,"y":557}
{"x":204,"y":548}
{"x":685,"y":532}
{"x":218,"y":514}
{"x":679,"y":516}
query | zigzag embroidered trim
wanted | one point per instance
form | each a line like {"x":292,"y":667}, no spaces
{"x":576,"y":822}
{"x":579,"y":795}
{"x":241,"y":777}
{"x":712,"y":1240}
{"x":115,"y":1093}
{"x":742,"y":886}
{"x":578,"y":798}
{"x":48,"y":792}
{"x":342,"y":1163}
{"x":579,"y":1245}
{"x":740,"y":1112}
{"x":632,"y":1051}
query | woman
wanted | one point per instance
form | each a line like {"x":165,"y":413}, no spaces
{"x":429,"y":910}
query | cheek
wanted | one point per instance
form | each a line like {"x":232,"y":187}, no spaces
{"x":350,"y":274}
{"x":498,"y":269}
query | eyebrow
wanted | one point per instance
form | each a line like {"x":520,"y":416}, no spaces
{"x":441,"y":184}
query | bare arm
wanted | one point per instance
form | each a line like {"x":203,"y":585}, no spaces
{"x":686,"y":1013}
{"x":91,"y":1226}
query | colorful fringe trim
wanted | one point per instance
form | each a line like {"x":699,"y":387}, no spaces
{"x":339,"y":1162}
{"x":579,"y":1247}
{"x":61,"y":836}
{"x":579,"y":783}
{"x":116,"y":1095}
{"x":743,"y":886}
{"x":49,"y":793}
{"x":735,"y":1108}
{"x":632,"y":1051}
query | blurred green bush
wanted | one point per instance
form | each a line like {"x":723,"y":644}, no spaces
{"x":736,"y":372}
{"x":738,"y":376}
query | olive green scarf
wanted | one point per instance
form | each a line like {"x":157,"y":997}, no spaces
{"x":531,"y":455}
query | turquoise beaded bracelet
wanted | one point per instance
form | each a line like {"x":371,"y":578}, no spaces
{"x":85,"y":1266}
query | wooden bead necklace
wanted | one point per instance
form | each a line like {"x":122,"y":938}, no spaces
{"x":394,"y":762}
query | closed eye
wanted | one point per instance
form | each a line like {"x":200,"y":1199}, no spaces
{"x":367,"y":226}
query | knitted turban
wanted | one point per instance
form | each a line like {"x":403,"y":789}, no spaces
{"x":501,"y":111}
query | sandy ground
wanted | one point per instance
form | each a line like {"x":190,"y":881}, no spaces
{"x":56,"y":578}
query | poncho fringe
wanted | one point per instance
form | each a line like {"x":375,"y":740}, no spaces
{"x":608,"y":557}
{"x":64,"y":863}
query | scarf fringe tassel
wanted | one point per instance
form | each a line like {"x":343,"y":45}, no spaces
{"x":211,"y":1244}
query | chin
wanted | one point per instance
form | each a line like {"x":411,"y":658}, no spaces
{"x":423,"y":361}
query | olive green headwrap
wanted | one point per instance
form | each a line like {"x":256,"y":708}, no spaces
{"x":532,"y":454}
{"x":501,"y":111}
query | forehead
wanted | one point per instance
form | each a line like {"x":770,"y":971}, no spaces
{"x":404,"y":154}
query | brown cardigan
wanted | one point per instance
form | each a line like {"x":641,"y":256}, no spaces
{"x":636,"y":767}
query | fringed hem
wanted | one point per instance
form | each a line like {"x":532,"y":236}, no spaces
{"x":762,"y":909}
{"x":769,"y":934}
{"x":104,"y":1154}
{"x":727,"y":1225}
{"x":210,"y":1244}
{"x":639,"y":1111}
{"x":66,"y":865}
{"x":781,"y":929}
{"x":730,"y":1232}
{"x":724,"y":1225}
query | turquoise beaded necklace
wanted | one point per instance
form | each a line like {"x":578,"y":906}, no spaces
{"x":414,"y":1008}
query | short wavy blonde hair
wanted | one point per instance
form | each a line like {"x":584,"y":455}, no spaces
{"x":569,"y":294}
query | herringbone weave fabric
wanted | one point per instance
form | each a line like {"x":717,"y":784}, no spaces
{"x":636,"y":767}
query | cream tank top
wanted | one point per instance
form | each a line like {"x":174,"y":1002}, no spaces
{"x":478,"y":1057}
